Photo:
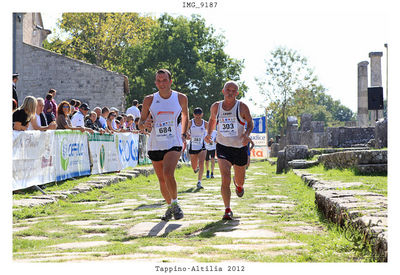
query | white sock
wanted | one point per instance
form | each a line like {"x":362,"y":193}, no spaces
{"x":174,"y":201}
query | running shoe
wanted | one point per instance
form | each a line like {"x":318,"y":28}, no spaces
{"x":212,"y":175}
{"x":197,"y":170}
{"x":168,"y":214}
{"x":177,"y":211}
{"x":228,"y":214}
{"x":239,"y":190}
{"x":199,"y":185}
{"x":208,"y":174}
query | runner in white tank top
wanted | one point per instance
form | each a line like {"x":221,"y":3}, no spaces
{"x":232,"y":141}
{"x":160,"y":115}
{"x":197,"y":150}
{"x":166,"y":131}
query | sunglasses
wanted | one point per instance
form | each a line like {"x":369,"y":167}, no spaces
{"x":66,"y":106}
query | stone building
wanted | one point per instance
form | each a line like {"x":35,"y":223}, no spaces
{"x":41,"y":70}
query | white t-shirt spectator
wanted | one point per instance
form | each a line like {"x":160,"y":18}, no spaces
{"x":103,"y":122}
{"x":133,"y":110}
{"x":39,"y":123}
{"x":78,"y":120}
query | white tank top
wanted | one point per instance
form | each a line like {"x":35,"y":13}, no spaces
{"x":230,"y":126}
{"x":197,"y":134}
{"x":166,"y":131}
{"x":212,"y":145}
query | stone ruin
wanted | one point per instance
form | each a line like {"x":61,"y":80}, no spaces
{"x":296,"y":145}
{"x":315,"y":135}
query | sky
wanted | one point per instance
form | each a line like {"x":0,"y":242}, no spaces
{"x":333,"y":39}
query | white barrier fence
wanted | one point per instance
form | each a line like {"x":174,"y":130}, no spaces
{"x":55,"y":155}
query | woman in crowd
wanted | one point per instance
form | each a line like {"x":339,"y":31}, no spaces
{"x":110,"y":119}
{"x":63,"y":121}
{"x":24,"y":114}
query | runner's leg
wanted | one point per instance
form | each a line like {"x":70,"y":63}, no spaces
{"x":201,"y":158}
{"x":170,"y":161}
{"x":212,"y":165}
{"x":158,"y":168}
{"x":239,"y":172}
{"x":193,"y":160}
{"x":225,"y":170}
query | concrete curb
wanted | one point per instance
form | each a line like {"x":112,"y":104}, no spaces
{"x":365,"y":211}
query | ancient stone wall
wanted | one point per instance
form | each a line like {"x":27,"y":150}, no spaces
{"x":355,"y":159}
{"x":41,"y":70}
{"x":349,"y":136}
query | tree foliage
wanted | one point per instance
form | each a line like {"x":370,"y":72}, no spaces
{"x":291,"y":88}
{"x":100,"y":38}
{"x":137,"y":46}
{"x":192,"y":52}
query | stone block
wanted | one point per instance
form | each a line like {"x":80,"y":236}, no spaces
{"x":296,"y":152}
{"x":317,"y":126}
{"x":381,"y":133}
{"x":274,"y":150}
{"x":281,"y":163}
{"x":305,"y":124}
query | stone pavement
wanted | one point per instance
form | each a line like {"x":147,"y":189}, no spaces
{"x":130,"y":229}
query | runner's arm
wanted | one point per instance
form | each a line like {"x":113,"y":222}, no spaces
{"x":144,"y":121}
{"x":212,"y":122}
{"x":245,"y":113}
{"x":183,"y":101}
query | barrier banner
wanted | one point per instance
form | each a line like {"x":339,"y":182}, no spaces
{"x":143,"y":157}
{"x":71,"y":154}
{"x":128,"y":145}
{"x":104,"y":155}
{"x":259,"y":139}
{"x":33,"y":158}
{"x":259,"y":152}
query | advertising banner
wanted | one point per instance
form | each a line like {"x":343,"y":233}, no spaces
{"x":128,"y":145}
{"x":259,"y":139}
{"x":33,"y":158}
{"x":104,"y":155}
{"x":143,"y":157}
{"x":259,"y":152}
{"x":71,"y":154}
{"x":259,"y":125}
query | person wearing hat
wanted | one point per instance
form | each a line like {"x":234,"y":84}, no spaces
{"x":230,"y":116}
{"x":197,"y":150}
{"x":14,"y":88}
{"x":78,"y":119}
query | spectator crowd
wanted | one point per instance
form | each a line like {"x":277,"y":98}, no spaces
{"x":44,"y":114}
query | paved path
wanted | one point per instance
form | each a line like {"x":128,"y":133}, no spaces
{"x":266,"y":227}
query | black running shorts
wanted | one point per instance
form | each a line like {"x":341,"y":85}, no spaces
{"x":159,"y":155}
{"x":236,"y":156}
{"x":210,"y":154}
{"x":195,"y":152}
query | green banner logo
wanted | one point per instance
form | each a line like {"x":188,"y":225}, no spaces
{"x":64,"y":156}
{"x":102,"y":156}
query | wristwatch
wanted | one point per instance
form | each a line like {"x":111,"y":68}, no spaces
{"x":184,"y":135}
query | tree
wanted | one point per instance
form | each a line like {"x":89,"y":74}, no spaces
{"x":192,"y":52}
{"x":291,"y":88}
{"x":286,"y":72}
{"x":100,"y":38}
